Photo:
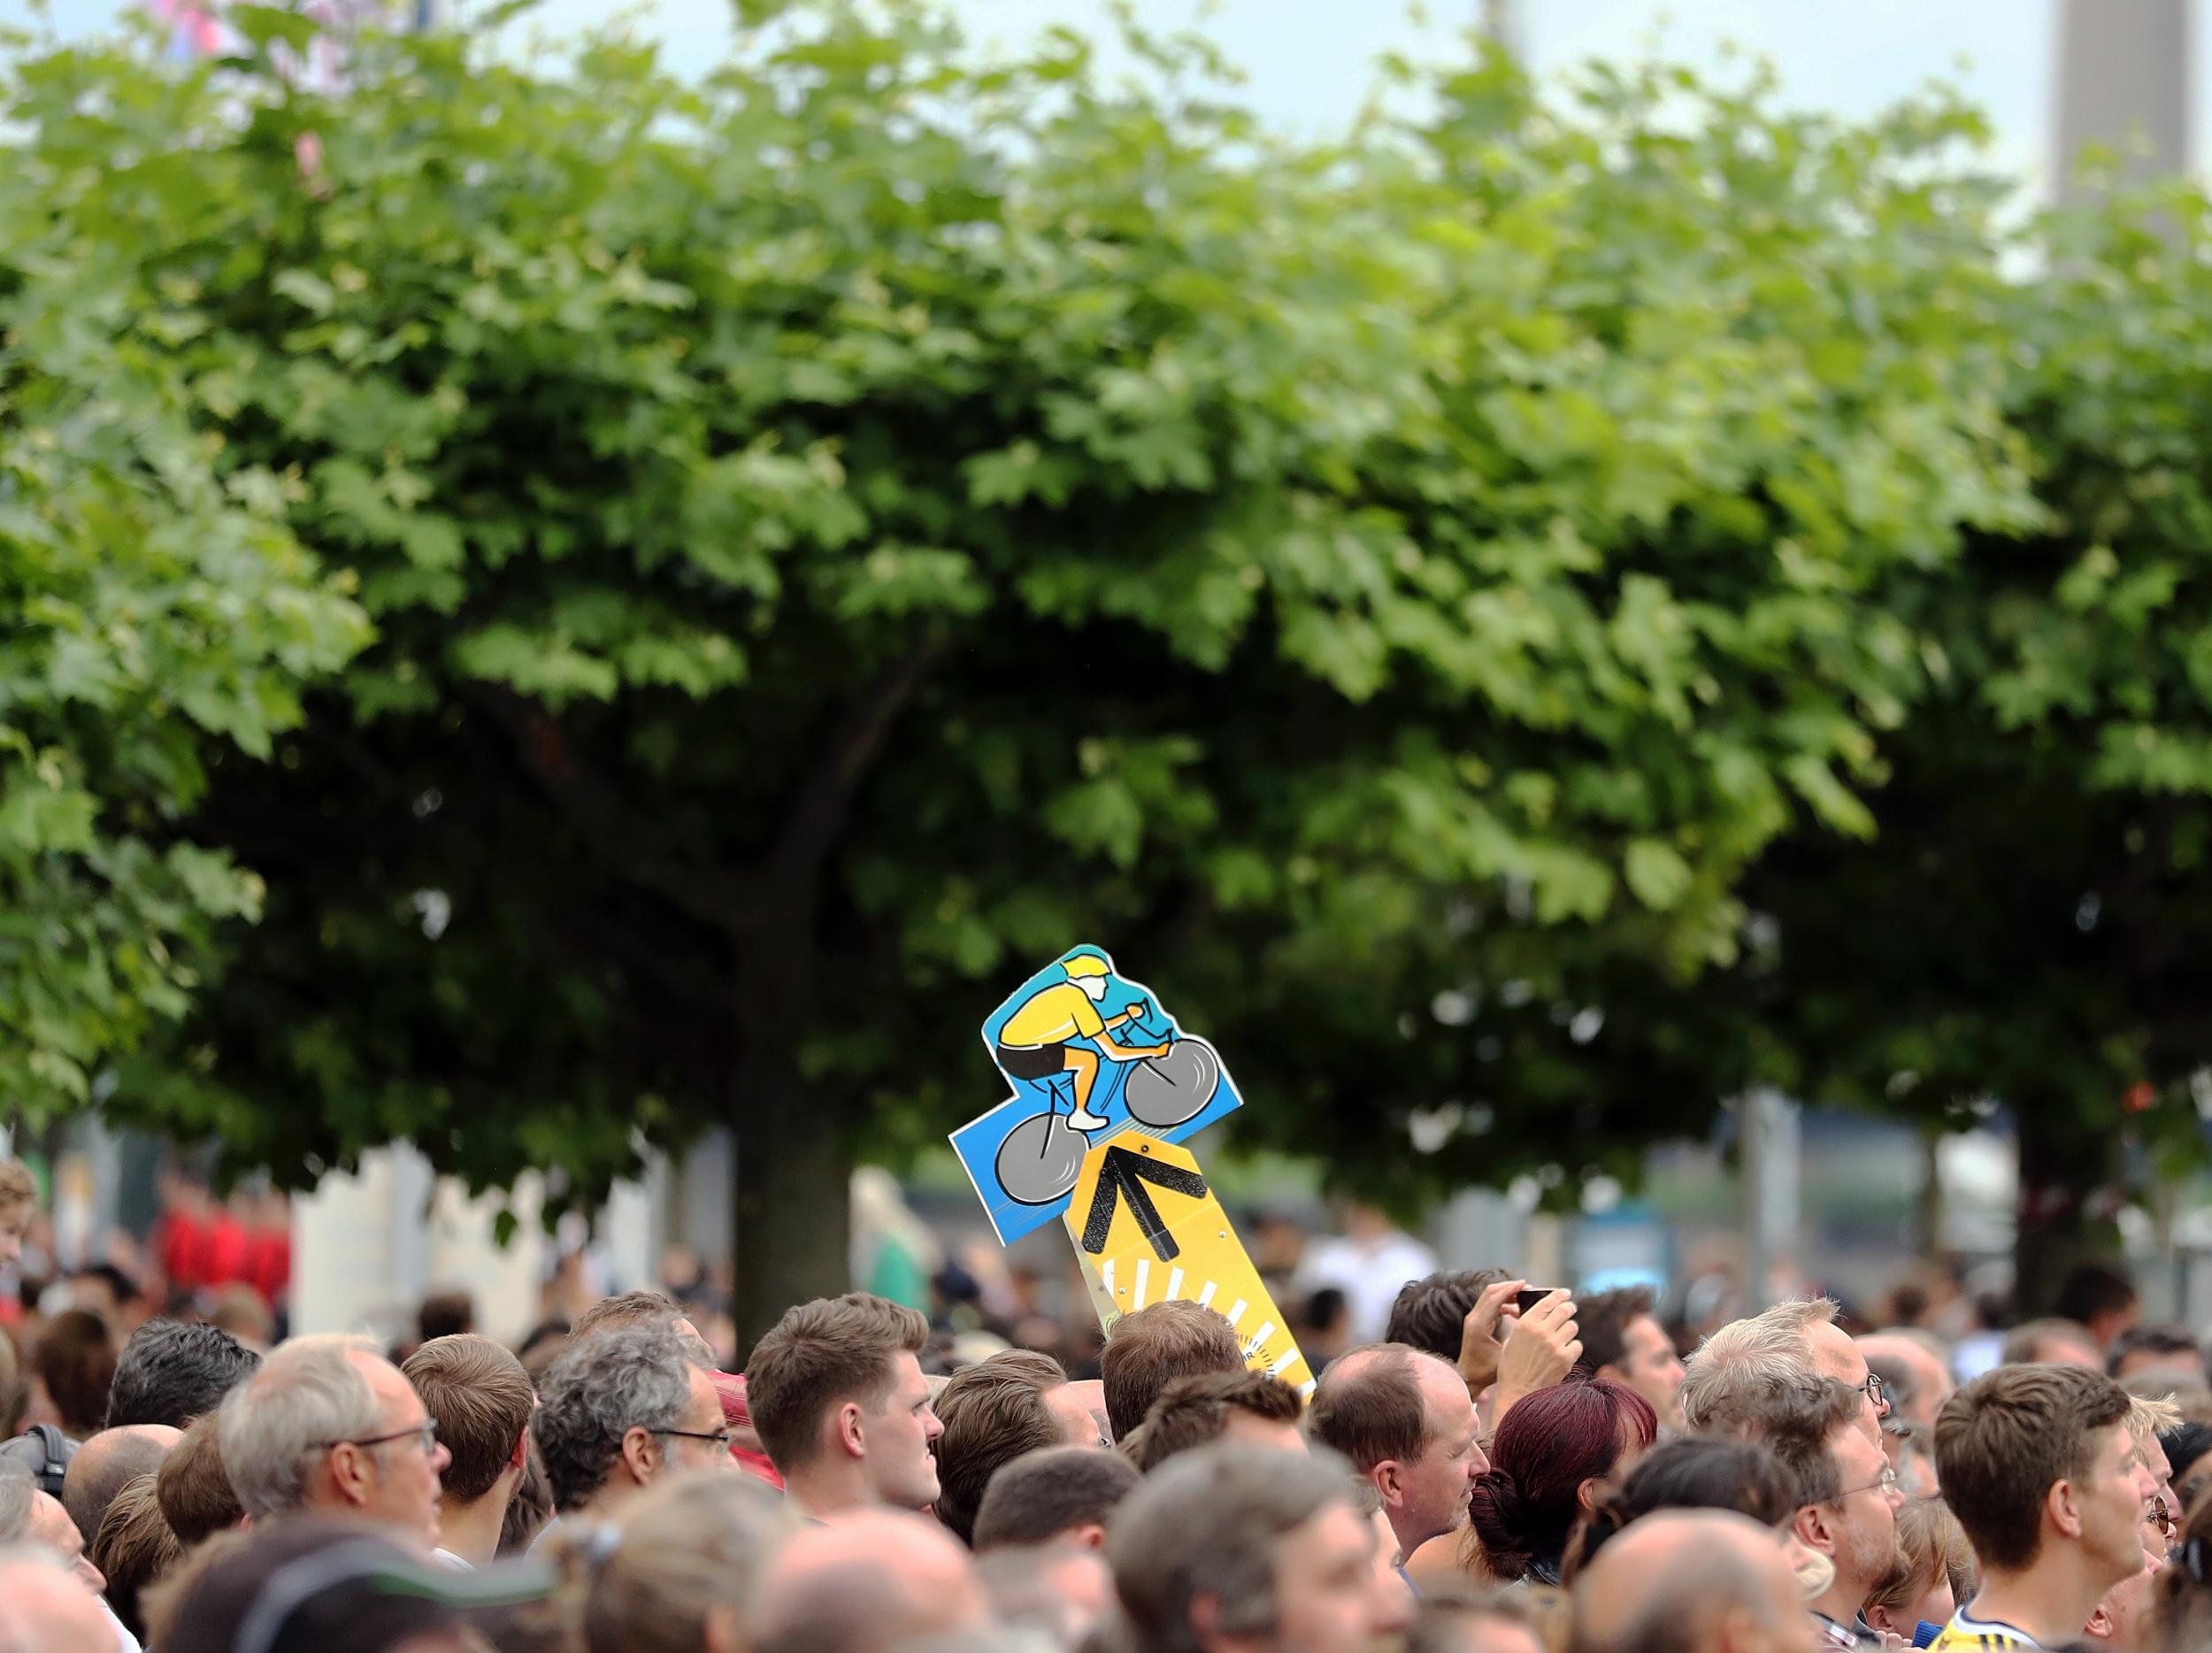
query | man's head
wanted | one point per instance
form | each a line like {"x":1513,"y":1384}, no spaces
{"x":1920,"y":1355}
{"x":1502,"y":1624}
{"x":169,"y":1372}
{"x":73,"y":1365}
{"x":2155,"y":1349}
{"x":192,"y":1487}
{"x":993,"y":1412}
{"x":2123,"y":1620}
{"x":1404,"y":1420}
{"x":19,"y":1198}
{"x":1147,"y":1351}
{"x":866,"y":1583}
{"x":620,"y":1410}
{"x":2038,"y":1463}
{"x":1430,"y":1313}
{"x":1062,"y":1495}
{"x":1689,"y":1581}
{"x":445,"y":1314}
{"x":328,"y":1424}
{"x":1789,"y":1341}
{"x":2100,"y":1297}
{"x":2053,"y":1341}
{"x":1228,"y":1549}
{"x":481,"y":1400}
{"x":132,"y":1548}
{"x":1244,"y":1408}
{"x":106,"y":1464}
{"x":839,"y":1400}
{"x":45,"y":1607}
{"x":1061,"y":1592}
{"x":1622,"y":1339}
{"x":51,"y":1525}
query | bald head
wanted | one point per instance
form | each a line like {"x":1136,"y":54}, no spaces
{"x":108,"y":1462}
{"x":864,"y":1584}
{"x":44,"y":1609}
{"x":1689,"y":1581}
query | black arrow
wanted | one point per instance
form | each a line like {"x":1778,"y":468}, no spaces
{"x":1123,"y":1177}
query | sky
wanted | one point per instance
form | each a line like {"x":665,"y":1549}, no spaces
{"x":1307,"y":59}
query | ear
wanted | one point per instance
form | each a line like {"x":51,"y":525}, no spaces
{"x":2100,"y":1624}
{"x":1090,"y":1535}
{"x":348,"y":1473}
{"x":1812,"y":1529}
{"x":1586,"y":1494}
{"x":520,"y":1458}
{"x":641,"y":1454}
{"x":2062,"y":1509}
{"x":848,"y":1434}
{"x":1881,"y":1619}
{"x":1389,"y":1476}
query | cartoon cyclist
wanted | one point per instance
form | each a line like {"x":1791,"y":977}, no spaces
{"x":1037,"y":1040}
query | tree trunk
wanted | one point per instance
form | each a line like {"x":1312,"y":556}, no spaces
{"x":2064,"y":1164}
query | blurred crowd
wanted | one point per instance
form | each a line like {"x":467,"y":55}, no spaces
{"x":1485,"y":1464}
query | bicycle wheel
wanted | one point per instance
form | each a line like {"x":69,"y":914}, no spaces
{"x":1040,"y":1158}
{"x":1172,"y":1089}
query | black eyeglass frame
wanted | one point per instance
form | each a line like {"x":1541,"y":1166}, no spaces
{"x":722,"y":1438}
{"x":427,"y":1431}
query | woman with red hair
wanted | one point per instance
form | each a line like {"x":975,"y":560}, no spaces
{"x":1552,"y":1453}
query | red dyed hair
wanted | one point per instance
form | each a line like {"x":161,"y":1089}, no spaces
{"x":1527,"y":1502}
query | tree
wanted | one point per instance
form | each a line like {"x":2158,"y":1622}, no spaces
{"x":842,"y":530}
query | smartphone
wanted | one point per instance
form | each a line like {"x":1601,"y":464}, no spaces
{"x":1535,"y":1295}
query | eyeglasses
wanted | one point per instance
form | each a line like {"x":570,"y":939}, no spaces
{"x":1876,"y":1389}
{"x":1887,"y":1484}
{"x":426,"y":1432}
{"x":2162,"y":1516}
{"x":721,"y":1437}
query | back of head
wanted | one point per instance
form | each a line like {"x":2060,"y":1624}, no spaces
{"x":1795,"y":1419}
{"x":691,"y":1550}
{"x":1197,"y":1412}
{"x":1667,"y":1584}
{"x":1524,"y":1505}
{"x":2092,"y":1291}
{"x":598,"y":1389}
{"x":1147,"y":1351}
{"x":2166,"y":1348}
{"x":192,"y":1487}
{"x":994,"y":1411}
{"x":1430,"y":1313}
{"x":623,"y":1310}
{"x":1696,"y":1473}
{"x":2053,"y":1338}
{"x":819,"y":1356}
{"x":1045,"y":1495}
{"x":2003,"y":1438}
{"x":306,"y":1395}
{"x":1207,"y":1524}
{"x":1931,"y":1547}
{"x":133,"y":1547}
{"x":445,"y":1314}
{"x":1452,"y":1624}
{"x":1369,"y":1406}
{"x":74,"y":1357}
{"x":481,"y":1400}
{"x":1748,"y":1356}
{"x":865,"y":1583}
{"x":105,"y":1465}
{"x":170,"y":1373}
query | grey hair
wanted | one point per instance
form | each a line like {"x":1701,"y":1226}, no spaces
{"x":1206,"y":1523}
{"x":1752,"y":1356}
{"x":275,"y":1425}
{"x":18,"y":1494}
{"x":599,"y":1389}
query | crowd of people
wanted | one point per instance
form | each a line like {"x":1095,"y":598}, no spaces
{"x":1505,"y":1470}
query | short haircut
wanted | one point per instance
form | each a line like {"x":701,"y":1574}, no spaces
{"x":2092,"y":1289}
{"x":74,"y":1357}
{"x":102,"y":1467}
{"x":819,"y":1356}
{"x":644,"y":1307}
{"x":2156,"y":1340}
{"x":19,"y":1189}
{"x":278,"y":1424}
{"x":1746,"y":1356}
{"x":170,"y":1373}
{"x":1042,"y":1495}
{"x":2023,"y":1344}
{"x":1602,"y":1323}
{"x":1446,"y":1622}
{"x":195,"y":1494}
{"x":445,"y":1314}
{"x":994,"y":1411}
{"x":481,"y":1400}
{"x":1795,"y":1419}
{"x":1931,"y":1545}
{"x":133,"y":1547}
{"x":2003,"y":1440}
{"x":1147,"y":1351}
{"x":690,"y":1545}
{"x":1430,"y":1313}
{"x":1695,"y":1472}
{"x":1376,"y":1412}
{"x":1209,"y":1524}
{"x":1195,"y":1411}
{"x":596,"y":1391}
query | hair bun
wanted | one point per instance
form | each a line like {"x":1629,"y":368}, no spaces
{"x":1500,"y":1519}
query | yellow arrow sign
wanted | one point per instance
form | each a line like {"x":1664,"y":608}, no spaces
{"x":1148,"y":1229}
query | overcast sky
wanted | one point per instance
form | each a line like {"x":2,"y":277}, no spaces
{"x":1307,"y":58}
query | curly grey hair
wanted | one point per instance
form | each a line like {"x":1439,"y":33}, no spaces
{"x":274,"y":1428}
{"x":599,"y":1389}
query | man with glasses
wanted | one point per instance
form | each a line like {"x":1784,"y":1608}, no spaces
{"x":327,"y":1424}
{"x":1745,"y":1358}
{"x":1847,"y":1493}
{"x":620,"y":1410}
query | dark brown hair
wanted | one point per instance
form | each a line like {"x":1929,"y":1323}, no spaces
{"x":196,"y":1495}
{"x":1040,"y":1496}
{"x":993,"y":1412}
{"x":1794,"y":1419}
{"x":1430,"y":1313}
{"x":1195,"y":1411}
{"x":1374,"y":1414}
{"x":74,"y":1357}
{"x":481,"y":1399}
{"x":820,"y":1355}
{"x":1602,"y":1324}
{"x":1147,"y":1351}
{"x":2003,"y":1441}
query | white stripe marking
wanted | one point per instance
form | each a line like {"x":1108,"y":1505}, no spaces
{"x":1259,"y":1339}
{"x":1144,"y":1278}
{"x":1175,"y":1284}
{"x":1236,"y":1313}
{"x":1283,"y":1365}
{"x":1206,"y":1298}
{"x":1106,"y":1274}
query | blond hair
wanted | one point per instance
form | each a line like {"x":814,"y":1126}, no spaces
{"x":690,"y":1549}
{"x":1748,"y":1357}
{"x":2147,"y":1417}
{"x":17,"y":1186}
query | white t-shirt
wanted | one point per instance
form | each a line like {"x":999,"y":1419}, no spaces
{"x":1369,"y":1277}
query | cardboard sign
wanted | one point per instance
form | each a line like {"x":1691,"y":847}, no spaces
{"x":1087,"y":1054}
{"x":1149,"y":1228}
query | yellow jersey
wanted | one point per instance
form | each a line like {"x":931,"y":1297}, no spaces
{"x":1052,"y":1015}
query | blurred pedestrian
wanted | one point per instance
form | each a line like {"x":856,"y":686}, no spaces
{"x":1689,"y":1581}
{"x":1695,"y":1472}
{"x":864,"y":1583}
{"x":679,"y":1569}
{"x":193,"y":1489}
{"x":132,"y":1548}
{"x":1368,"y":1262}
{"x":1934,"y":1572}
{"x":45,"y":1608}
{"x":1063,"y":1496}
{"x":106,"y":1464}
